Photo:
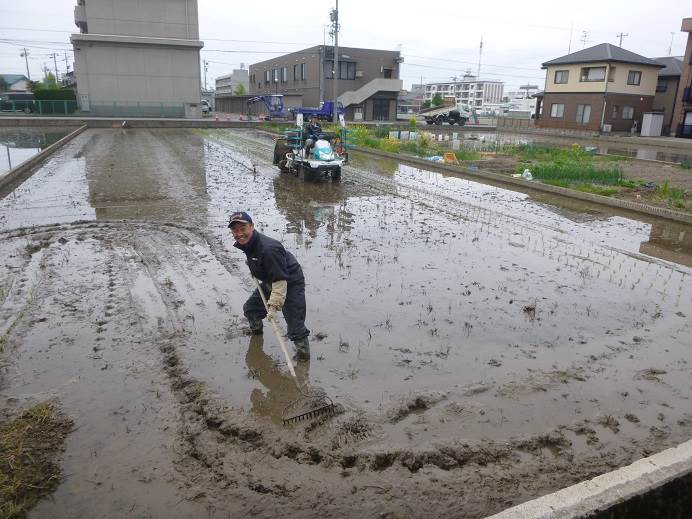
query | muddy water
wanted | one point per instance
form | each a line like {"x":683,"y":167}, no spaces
{"x":442,"y":310}
{"x":20,"y":144}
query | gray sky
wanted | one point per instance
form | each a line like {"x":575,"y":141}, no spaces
{"x":437,"y":42}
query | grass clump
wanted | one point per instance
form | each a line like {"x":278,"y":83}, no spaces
{"x":28,"y":446}
{"x":674,"y":196}
{"x":573,"y":173}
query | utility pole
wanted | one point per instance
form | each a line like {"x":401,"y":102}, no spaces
{"x":584,"y":38}
{"x":206,"y":67}
{"x":25,"y":54}
{"x":621,"y":36}
{"x":571,"y":29}
{"x":480,"y":55}
{"x":55,"y":64}
{"x":67,"y":64}
{"x":334,"y":16}
{"x":670,"y":47}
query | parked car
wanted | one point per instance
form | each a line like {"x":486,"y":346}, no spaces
{"x":17,"y":102}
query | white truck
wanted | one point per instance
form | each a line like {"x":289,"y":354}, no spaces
{"x":458,"y":114}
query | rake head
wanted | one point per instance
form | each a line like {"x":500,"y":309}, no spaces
{"x":294,"y":413}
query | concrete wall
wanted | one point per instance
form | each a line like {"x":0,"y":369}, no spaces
{"x":647,"y":85}
{"x":128,"y":74}
{"x":154,"y":18}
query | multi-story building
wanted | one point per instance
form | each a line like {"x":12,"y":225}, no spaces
{"x":228,"y":83}
{"x":368,"y":79}
{"x":410,"y":101}
{"x":667,"y":89}
{"x":681,"y":124}
{"x":137,"y":58}
{"x":470,"y":92}
{"x":604,"y":87}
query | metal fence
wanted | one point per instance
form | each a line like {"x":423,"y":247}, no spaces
{"x":96,"y":109}
{"x":42,"y":107}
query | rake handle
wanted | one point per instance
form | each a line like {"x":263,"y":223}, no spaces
{"x":272,"y":321}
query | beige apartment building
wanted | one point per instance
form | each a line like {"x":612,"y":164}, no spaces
{"x":138,"y":58}
{"x":368,"y":79}
{"x":603,"y":88}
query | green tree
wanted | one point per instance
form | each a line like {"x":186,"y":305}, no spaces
{"x":239,"y":90}
{"x":426,"y":104}
{"x":437,"y":100}
{"x":49,"y":83}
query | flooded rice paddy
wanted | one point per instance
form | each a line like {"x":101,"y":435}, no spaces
{"x":489,"y":345}
{"x":20,"y":144}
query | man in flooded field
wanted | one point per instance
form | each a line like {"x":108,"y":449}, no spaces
{"x":281,"y":279}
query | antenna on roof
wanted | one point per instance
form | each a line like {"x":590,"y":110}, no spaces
{"x":571,"y":28}
{"x":670,"y":47}
{"x":621,"y":36}
{"x":584,"y":38}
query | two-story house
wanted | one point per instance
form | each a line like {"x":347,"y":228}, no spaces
{"x":603,"y":87}
{"x":368,"y":79}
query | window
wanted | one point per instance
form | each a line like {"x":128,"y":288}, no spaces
{"x":614,"y":115}
{"x":275,"y":75}
{"x":347,"y":70}
{"x":634,"y":77}
{"x":295,"y":72}
{"x":592,"y":74}
{"x":267,"y":76}
{"x":329,"y":69}
{"x":628,"y":112}
{"x":387,"y":73}
{"x":561,"y":77}
{"x":662,"y":84}
{"x":583,"y":114}
{"x":284,"y":74}
{"x":303,"y":71}
{"x":557,"y":110}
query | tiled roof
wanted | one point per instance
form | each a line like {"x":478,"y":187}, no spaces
{"x":11,"y":79}
{"x":673,"y":66}
{"x":603,"y":52}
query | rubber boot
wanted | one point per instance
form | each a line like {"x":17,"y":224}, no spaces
{"x":255,"y":326}
{"x":302,"y":349}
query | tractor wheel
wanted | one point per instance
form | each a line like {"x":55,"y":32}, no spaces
{"x":428,"y":121}
{"x":336,"y":175}
{"x":438,"y":120}
{"x":462,"y":122}
{"x":451,"y":121}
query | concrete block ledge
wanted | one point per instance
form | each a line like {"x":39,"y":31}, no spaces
{"x":19,"y":174}
{"x":657,"y":486}
{"x":628,"y":205}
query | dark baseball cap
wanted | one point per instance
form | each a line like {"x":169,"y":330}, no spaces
{"x":239,"y":217}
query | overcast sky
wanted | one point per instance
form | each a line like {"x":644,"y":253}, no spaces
{"x":438,"y":40}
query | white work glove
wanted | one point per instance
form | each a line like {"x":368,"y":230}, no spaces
{"x":278,"y":296}
{"x":271,"y":314}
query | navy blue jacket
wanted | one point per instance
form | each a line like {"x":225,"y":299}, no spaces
{"x":269,"y":261}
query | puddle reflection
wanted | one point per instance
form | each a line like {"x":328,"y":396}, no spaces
{"x":19,"y":145}
{"x":280,"y":389}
